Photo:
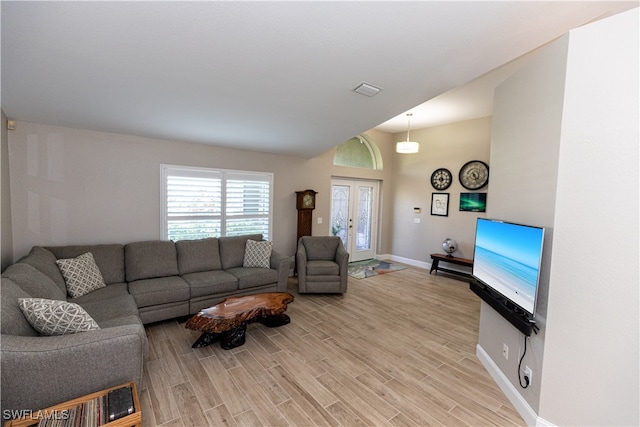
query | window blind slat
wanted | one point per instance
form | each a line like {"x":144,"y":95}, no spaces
{"x":200,"y":203}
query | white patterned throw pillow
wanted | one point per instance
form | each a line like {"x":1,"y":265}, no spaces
{"x":257,"y":254}
{"x":81,"y":274}
{"x":52,"y":317}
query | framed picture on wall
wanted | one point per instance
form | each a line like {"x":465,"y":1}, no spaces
{"x":473,"y":202}
{"x":440,"y":204}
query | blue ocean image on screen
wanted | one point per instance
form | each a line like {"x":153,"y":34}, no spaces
{"x":507,"y":258}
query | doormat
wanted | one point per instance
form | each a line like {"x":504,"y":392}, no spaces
{"x":372,"y":267}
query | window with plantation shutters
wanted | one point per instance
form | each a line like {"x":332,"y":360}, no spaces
{"x":200,"y":202}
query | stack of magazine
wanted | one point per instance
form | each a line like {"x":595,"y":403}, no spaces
{"x":109,"y":407}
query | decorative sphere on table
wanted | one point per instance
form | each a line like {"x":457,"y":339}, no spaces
{"x":449,"y":246}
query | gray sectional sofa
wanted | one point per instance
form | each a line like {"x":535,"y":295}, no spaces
{"x":145,"y":282}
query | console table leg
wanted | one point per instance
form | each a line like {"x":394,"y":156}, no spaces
{"x":434,"y":265}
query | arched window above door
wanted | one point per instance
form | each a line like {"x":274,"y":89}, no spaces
{"x":359,"y":152}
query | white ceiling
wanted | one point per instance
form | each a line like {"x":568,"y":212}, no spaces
{"x":266,"y":76}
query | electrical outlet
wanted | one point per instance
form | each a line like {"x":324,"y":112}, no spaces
{"x":526,"y":372}
{"x":505,"y":351}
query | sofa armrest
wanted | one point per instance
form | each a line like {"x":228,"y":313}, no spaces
{"x":38,"y":372}
{"x":342,"y":258}
{"x":301,"y":266}
{"x":282,"y":263}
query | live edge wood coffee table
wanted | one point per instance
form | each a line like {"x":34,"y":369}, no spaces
{"x":227,"y":321}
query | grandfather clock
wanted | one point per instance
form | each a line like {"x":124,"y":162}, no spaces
{"x":305,"y":203}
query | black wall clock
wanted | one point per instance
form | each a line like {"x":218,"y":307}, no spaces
{"x":441,"y":179}
{"x":474,"y":175}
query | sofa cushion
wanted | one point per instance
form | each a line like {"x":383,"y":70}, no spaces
{"x":33,"y":282}
{"x":109,"y":258}
{"x":150,"y":259}
{"x":123,"y":321}
{"x":232,"y":249}
{"x":206,"y":283}
{"x":322,"y":268}
{"x":250,"y":277}
{"x":257,"y":254}
{"x":149,"y":292}
{"x":198,"y":255}
{"x":109,"y":309}
{"x":109,"y":291}
{"x":12,"y":320}
{"x":45,"y":261}
{"x":51,"y":317}
{"x":81,"y":274}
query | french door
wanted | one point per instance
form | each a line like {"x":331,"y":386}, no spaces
{"x":354,"y":216}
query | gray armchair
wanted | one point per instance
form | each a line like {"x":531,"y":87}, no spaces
{"x":321,"y":263}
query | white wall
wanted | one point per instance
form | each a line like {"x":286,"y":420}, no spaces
{"x":564,"y":155}
{"x":590,"y":372}
{"x":71,"y":186}
{"x":6,"y":236}
{"x":449,"y":146}
{"x":524,"y":164}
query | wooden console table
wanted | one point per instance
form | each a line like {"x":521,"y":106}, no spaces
{"x":58,"y":413}
{"x":437,"y":258}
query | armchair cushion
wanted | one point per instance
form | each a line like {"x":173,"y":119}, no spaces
{"x":322,"y":268}
{"x":321,"y":247}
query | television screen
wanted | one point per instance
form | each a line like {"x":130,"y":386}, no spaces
{"x":507,"y":259}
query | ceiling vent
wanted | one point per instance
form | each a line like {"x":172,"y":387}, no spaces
{"x":367,"y":89}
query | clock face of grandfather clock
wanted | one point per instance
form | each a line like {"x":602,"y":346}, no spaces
{"x":305,"y":203}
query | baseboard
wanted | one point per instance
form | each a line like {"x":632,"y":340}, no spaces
{"x":519,"y":403}
{"x":408,"y":261}
{"x":415,"y":263}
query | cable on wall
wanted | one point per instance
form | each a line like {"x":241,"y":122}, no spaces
{"x":527,"y":380}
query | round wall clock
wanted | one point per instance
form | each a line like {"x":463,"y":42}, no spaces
{"x":441,"y":179}
{"x":474,"y":175}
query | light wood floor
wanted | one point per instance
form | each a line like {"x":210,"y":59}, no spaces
{"x":396,"y":349}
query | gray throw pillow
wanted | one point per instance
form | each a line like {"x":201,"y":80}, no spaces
{"x":81,"y":274}
{"x":51,"y":317}
{"x":257,"y":254}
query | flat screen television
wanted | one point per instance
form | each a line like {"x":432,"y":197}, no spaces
{"x":507,"y":259}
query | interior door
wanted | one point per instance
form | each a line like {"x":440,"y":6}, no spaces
{"x":354,"y":216}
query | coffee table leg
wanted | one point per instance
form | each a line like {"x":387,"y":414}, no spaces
{"x":275,"y":320}
{"x":206,"y":339}
{"x":233,"y":338}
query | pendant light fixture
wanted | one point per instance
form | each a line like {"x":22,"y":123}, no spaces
{"x":408,"y":147}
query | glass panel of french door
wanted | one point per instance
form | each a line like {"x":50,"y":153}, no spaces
{"x":340,"y":194}
{"x":363,"y":212}
{"x":354,"y":216}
